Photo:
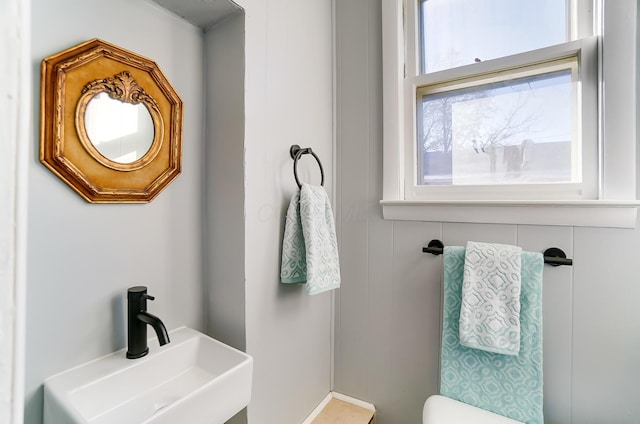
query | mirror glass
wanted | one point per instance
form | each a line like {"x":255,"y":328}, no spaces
{"x":121,"y":132}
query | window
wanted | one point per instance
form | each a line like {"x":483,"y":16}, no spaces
{"x":511,"y":128}
{"x":495,"y":131}
{"x":500,"y":103}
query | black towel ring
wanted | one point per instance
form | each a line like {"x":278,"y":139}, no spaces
{"x":296,"y":152}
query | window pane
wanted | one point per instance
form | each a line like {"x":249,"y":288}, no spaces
{"x":508,"y":132}
{"x":460,"y":32}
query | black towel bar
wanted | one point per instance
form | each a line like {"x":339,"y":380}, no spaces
{"x":552,"y":256}
{"x":296,"y":152}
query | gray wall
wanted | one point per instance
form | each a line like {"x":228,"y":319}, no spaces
{"x":83,"y":257}
{"x":289,"y":101}
{"x":224,"y":181}
{"x":209,"y":245}
{"x":224,"y":184}
{"x":388,"y":310}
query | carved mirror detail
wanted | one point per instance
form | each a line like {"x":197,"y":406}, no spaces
{"x":111,"y":124}
{"x":116,"y":121}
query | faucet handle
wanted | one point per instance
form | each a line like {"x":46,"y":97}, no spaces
{"x":139,"y":294}
{"x":136,"y":291}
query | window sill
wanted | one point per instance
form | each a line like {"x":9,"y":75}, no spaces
{"x":583,"y":213}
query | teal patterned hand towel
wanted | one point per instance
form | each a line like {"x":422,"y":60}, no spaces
{"x":490,"y":311}
{"x":310,"y":246}
{"x":293,"y":267}
{"x":320,"y":242}
{"x":508,"y":385}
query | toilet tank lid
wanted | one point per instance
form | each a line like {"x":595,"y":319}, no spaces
{"x":443,"y":410}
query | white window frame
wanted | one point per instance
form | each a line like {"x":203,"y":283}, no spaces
{"x":570,"y":56}
{"x":614,"y":203}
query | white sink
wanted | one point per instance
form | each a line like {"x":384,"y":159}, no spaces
{"x":193,"y":379}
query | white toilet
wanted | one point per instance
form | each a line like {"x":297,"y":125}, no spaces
{"x":443,"y":410}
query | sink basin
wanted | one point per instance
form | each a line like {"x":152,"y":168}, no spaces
{"x":193,"y":379}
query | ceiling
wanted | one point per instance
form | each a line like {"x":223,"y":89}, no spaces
{"x":202,"y":13}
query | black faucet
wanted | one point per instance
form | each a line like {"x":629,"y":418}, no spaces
{"x":137,"y":321}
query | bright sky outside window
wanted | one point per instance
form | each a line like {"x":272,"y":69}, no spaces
{"x":460,"y":32}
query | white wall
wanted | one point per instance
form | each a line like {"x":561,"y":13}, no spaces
{"x":388,"y":309}
{"x":288,"y":85}
{"x":83,"y":257}
{"x":14,"y":136}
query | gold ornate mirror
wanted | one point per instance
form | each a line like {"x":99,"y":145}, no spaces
{"x":111,"y":123}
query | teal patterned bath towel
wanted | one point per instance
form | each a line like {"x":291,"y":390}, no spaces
{"x":505,"y":384}
{"x":310,"y":246}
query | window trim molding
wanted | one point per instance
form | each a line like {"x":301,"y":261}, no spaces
{"x":616,"y":205}
{"x":578,"y":213}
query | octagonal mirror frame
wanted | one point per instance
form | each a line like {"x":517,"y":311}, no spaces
{"x":69,"y":81}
